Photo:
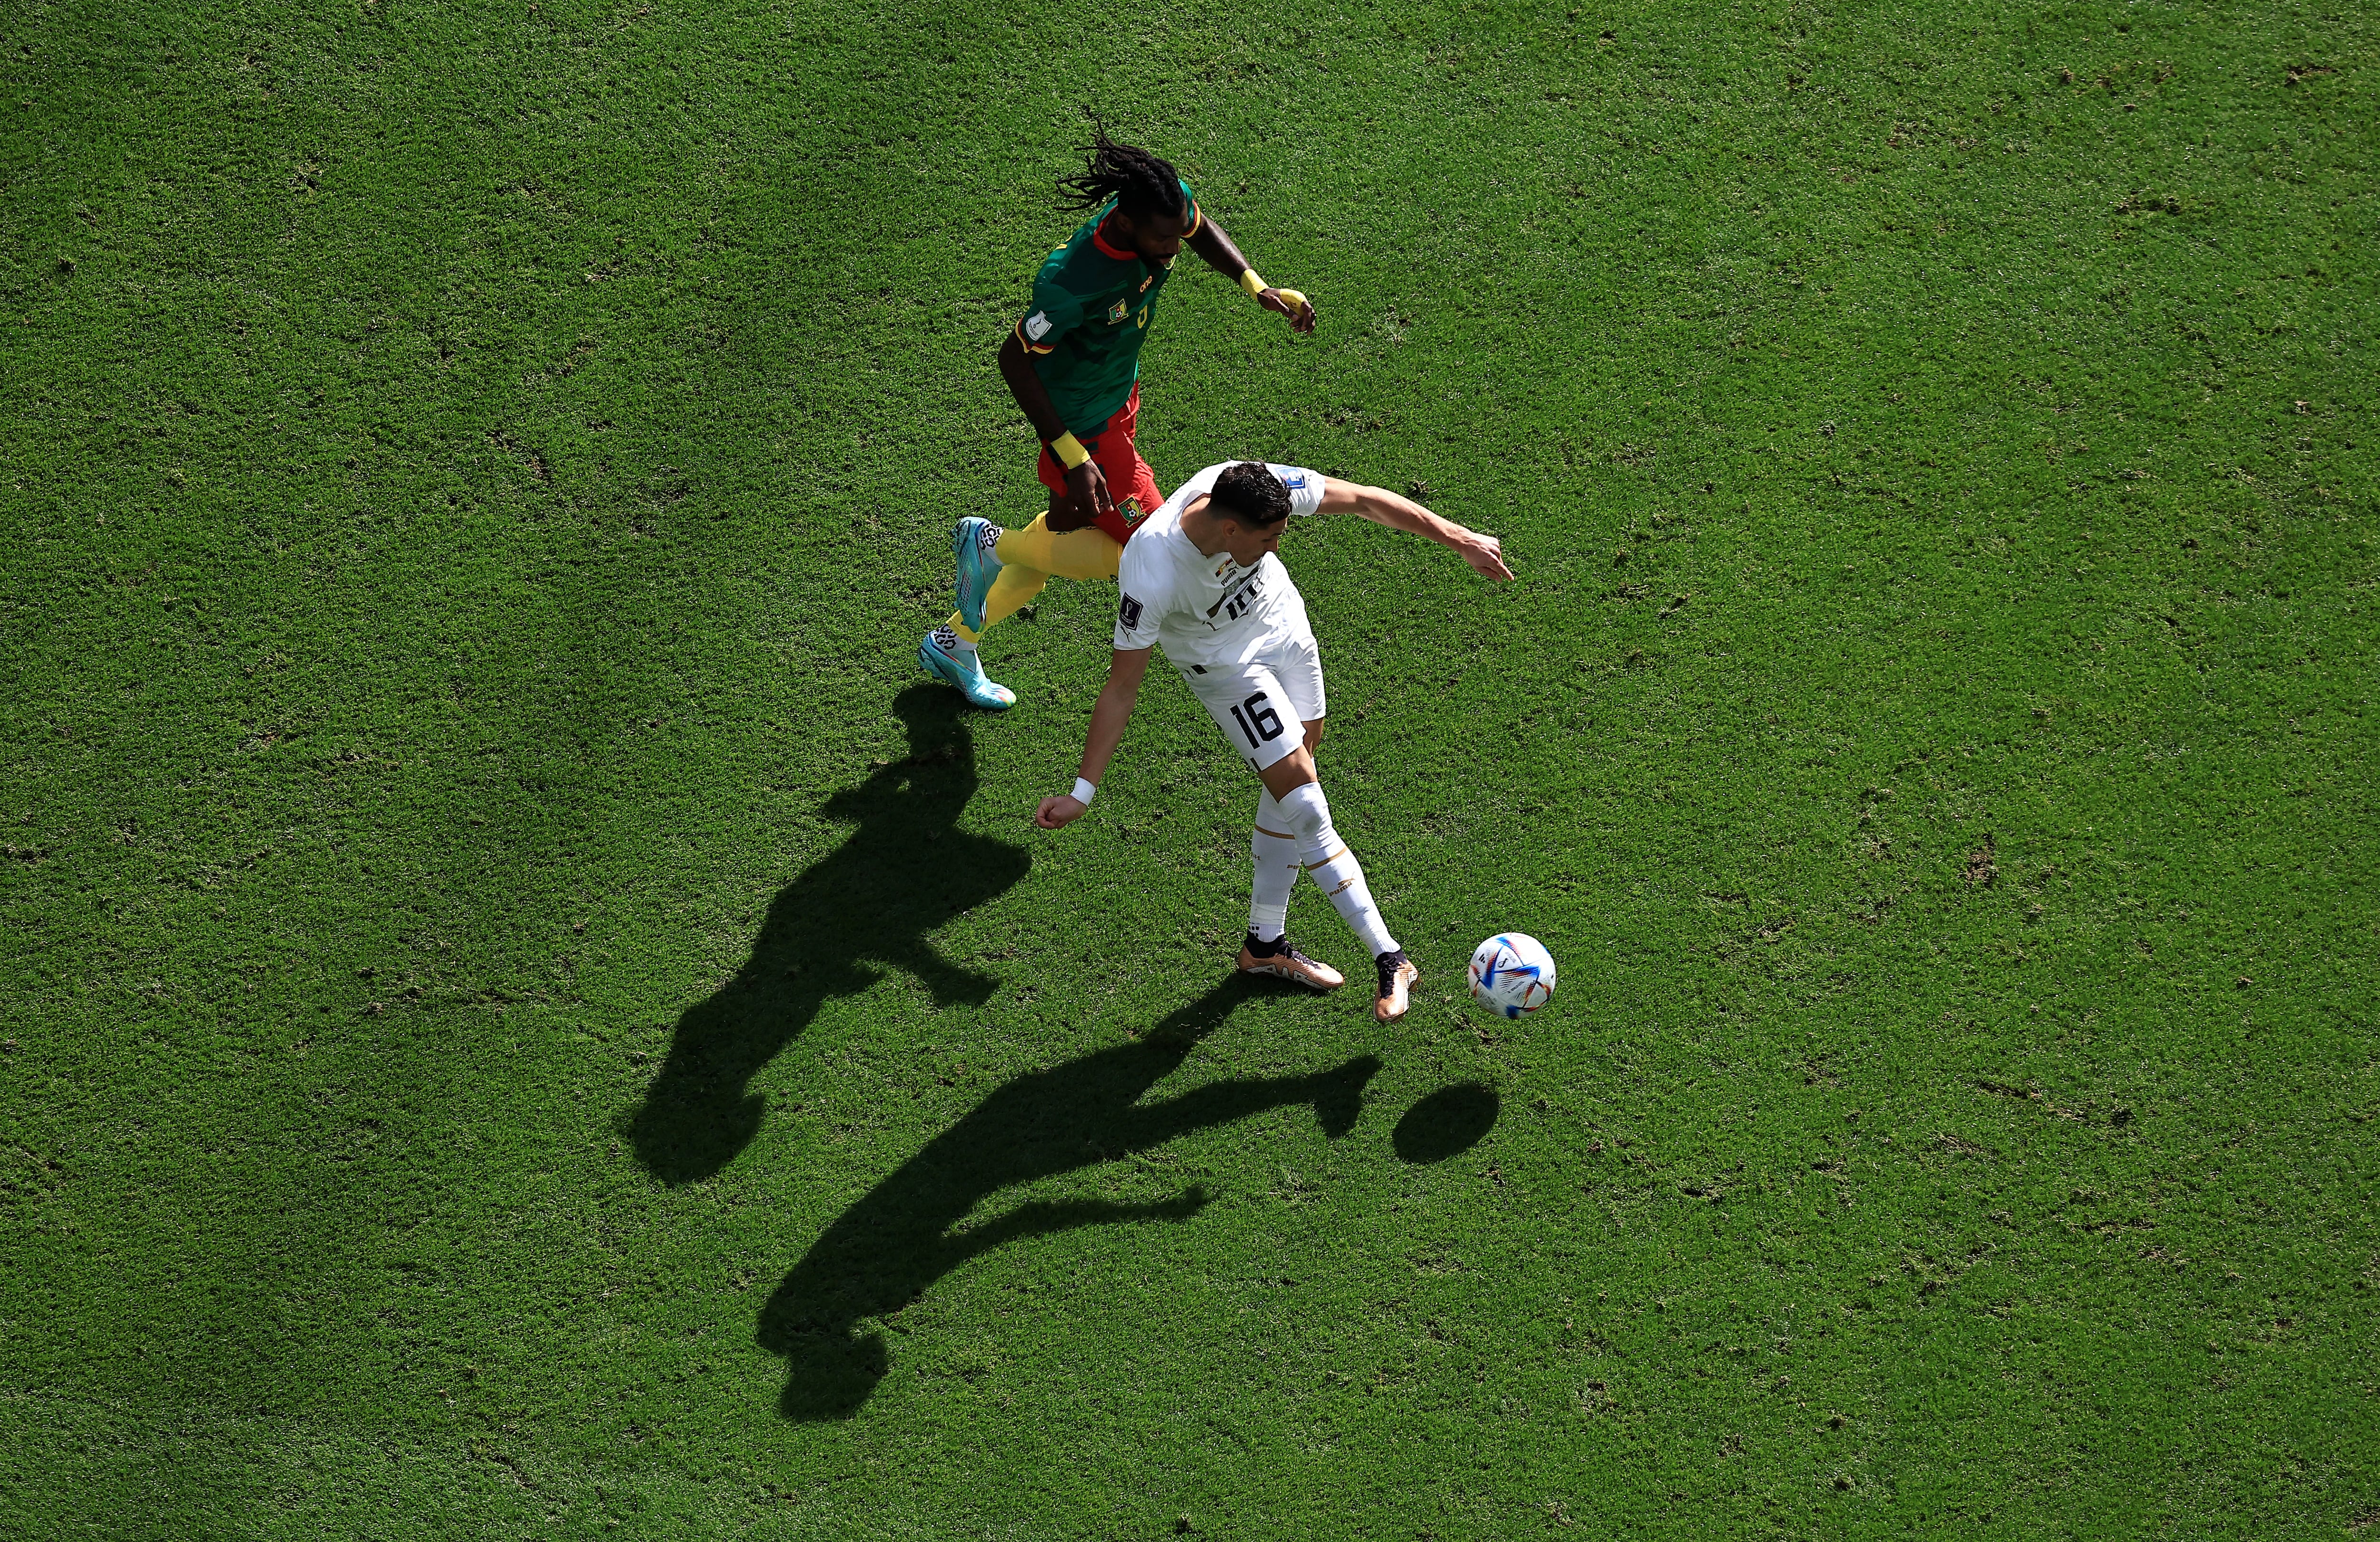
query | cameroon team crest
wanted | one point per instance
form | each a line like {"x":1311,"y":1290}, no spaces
{"x":1129,"y":509}
{"x":1116,"y":311}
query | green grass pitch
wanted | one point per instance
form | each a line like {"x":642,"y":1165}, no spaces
{"x":474,"y":477}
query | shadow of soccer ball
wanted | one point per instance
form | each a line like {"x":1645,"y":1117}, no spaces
{"x":1448,"y":1121}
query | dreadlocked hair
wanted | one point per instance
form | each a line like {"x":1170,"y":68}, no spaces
{"x":1140,"y":183}
{"x":1250,"y":493}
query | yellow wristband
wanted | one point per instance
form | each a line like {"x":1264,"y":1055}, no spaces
{"x":1069,"y":450}
{"x":1252,"y":280}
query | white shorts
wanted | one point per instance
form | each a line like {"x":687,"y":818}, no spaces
{"x":1264,"y":705}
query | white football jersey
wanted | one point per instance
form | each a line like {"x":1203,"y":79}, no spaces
{"x":1209,"y":612}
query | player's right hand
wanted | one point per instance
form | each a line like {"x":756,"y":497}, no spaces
{"x":1056,"y":813}
{"x":1084,"y":500}
{"x":1290,"y":303}
{"x":1485,"y":554}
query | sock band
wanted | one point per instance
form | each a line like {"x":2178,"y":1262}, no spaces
{"x":1342,"y":880}
{"x":1333,"y":868}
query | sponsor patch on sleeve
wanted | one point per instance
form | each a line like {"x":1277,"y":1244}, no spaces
{"x":1128,"y":612}
{"x":1305,"y":487}
{"x":1036,"y":326}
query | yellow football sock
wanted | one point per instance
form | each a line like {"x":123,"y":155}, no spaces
{"x":1089,"y":552}
{"x":1011,"y":592}
{"x":1029,"y":557}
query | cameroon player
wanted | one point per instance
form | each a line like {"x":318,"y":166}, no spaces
{"x":1074,"y":365}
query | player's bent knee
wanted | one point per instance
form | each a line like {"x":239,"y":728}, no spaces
{"x":1307,"y":812}
{"x":1290,"y":772}
{"x":1027,"y":548}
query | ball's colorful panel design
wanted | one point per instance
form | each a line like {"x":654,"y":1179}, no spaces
{"x":1511,"y":974}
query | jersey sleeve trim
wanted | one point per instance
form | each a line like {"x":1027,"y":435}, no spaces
{"x":1056,"y":310}
{"x":1030,"y":346}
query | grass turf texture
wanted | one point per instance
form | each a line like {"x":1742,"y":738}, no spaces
{"x":474,"y":478}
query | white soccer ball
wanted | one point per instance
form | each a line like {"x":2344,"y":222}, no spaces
{"x":1511,"y":974}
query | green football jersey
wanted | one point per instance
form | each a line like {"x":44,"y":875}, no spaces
{"x":1092,"y":303}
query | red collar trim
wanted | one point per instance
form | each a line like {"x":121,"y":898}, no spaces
{"x":1100,"y":239}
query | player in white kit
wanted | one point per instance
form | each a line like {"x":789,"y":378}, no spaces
{"x":1203,"y":576}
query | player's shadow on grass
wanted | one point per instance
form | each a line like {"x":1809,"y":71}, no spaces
{"x":905,"y":870}
{"x":911,"y":1228}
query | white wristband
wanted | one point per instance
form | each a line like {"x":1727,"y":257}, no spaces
{"x":1085,"y":791}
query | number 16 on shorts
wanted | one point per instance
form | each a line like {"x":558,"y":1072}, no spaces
{"x":1259,"y":725}
{"x":1264,"y":707}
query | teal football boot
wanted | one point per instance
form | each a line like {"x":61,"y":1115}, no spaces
{"x":939,"y":656}
{"x":975,"y":545}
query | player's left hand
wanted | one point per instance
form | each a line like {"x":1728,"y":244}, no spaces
{"x":1056,"y":813}
{"x":1486,"y":555}
{"x":1290,"y":303}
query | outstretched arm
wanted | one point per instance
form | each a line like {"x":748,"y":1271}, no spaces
{"x":1108,"y":718}
{"x":1211,"y":242}
{"x":1484,"y":552}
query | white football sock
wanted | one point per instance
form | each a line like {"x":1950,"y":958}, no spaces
{"x":1274,"y":851}
{"x":1334,"y":867}
{"x":948,"y":639}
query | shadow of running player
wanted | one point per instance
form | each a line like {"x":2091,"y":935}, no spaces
{"x":905,"y":870}
{"x":908,"y":1231}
